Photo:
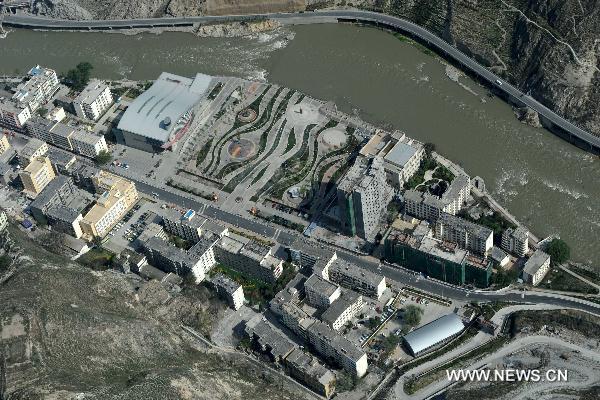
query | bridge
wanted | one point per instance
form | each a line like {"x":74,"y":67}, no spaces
{"x":551,"y":120}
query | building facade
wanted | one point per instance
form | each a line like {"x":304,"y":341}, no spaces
{"x":39,"y":89}
{"x":12,"y":117}
{"x":320,"y":293}
{"x":430,"y":207}
{"x":516,"y":241}
{"x":93,"y":100}
{"x":36,"y":176}
{"x":343,"y":310}
{"x":358,"y":279}
{"x":4,"y":145}
{"x":467,"y":235}
{"x":536,"y":267}
{"x":230,"y":290}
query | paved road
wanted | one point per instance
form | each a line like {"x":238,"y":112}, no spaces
{"x":400,"y":275}
{"x":325,"y":16}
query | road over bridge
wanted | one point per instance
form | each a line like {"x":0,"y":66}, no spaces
{"x":555,"y":122}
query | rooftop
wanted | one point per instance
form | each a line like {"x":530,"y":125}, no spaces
{"x":400,"y":154}
{"x":320,"y":285}
{"x":446,"y":250}
{"x":94,"y":88}
{"x":356,"y":272}
{"x":225,"y":283}
{"x":339,"y":306}
{"x":156,"y":112}
{"x":462,"y":224}
{"x":337,"y":341}
{"x":310,"y":366}
{"x":434,"y":332}
{"x":278,"y":344}
{"x":537,"y":259}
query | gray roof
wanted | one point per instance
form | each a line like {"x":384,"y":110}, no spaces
{"x":225,"y":283}
{"x":354,"y":271}
{"x":267,"y":336}
{"x":309,"y":366}
{"x":535,"y":262}
{"x":154,"y":114}
{"x":400,"y":154}
{"x":461,"y":224}
{"x":320,"y":285}
{"x":341,"y":304}
{"x":50,"y":191}
{"x":498,"y":254}
{"x":434,"y":332}
{"x":90,"y":93}
{"x":59,"y":157}
{"x":339,"y":343}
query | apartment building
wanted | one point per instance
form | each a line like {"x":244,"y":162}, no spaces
{"x":306,"y":369}
{"x":251,"y":258}
{"x":363,"y":196}
{"x":311,"y":256}
{"x":88,"y":144}
{"x":188,"y":225}
{"x":34,"y":149}
{"x":430,"y":207}
{"x":516,"y":241}
{"x":229,"y":289}
{"x":343,"y":309}
{"x":13,"y":117}
{"x":358,"y":279}
{"x":4,"y":144}
{"x":268,"y":339}
{"x":62,"y":160}
{"x":536,"y":267}
{"x":337,"y":349}
{"x":93,"y":100}
{"x":39,"y":89}
{"x":198,"y":260}
{"x":118,"y":196}
{"x":320,"y":293}
{"x":467,"y":235}
{"x":402,"y":156}
{"x":36,"y":176}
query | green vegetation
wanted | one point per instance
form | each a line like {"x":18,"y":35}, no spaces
{"x":203,"y":152}
{"x":428,"y":163}
{"x":215,"y":91}
{"x":118,"y":91}
{"x":79,"y":77}
{"x":558,"y":279}
{"x":393,"y":209}
{"x":291,"y":141}
{"x":441,"y":172}
{"x":345,"y":382}
{"x":503,"y":278}
{"x":255,"y":291}
{"x":412,"y":315}
{"x":42,"y":112}
{"x":260,"y":174}
{"x":193,"y":190}
{"x":104,"y":157}
{"x":98,"y":259}
{"x":5,"y":262}
{"x":276,"y":219}
{"x":559,"y":251}
{"x":579,"y":321}
{"x":180,"y":242}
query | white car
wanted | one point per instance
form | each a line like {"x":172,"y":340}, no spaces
{"x":498,"y":82}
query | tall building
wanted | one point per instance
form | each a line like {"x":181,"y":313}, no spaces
{"x":4,"y":145}
{"x":516,"y":241}
{"x":88,"y":144}
{"x":536,"y":267}
{"x":37,"y":175}
{"x":34,"y":148}
{"x":118,"y":196}
{"x":13,"y":117}
{"x":39,"y":89}
{"x":467,"y":235}
{"x":93,"y":100}
{"x":430,"y":207}
{"x":230,"y":290}
{"x":363,"y":196}
{"x":321,"y":293}
{"x":305,"y":368}
{"x":343,"y":309}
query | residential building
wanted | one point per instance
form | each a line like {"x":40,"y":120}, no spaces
{"x":7,"y":173}
{"x":516,"y":241}
{"x":60,"y":205}
{"x":187,"y":226}
{"x":320,"y":293}
{"x":3,"y":221}
{"x":402,"y":156}
{"x":37,"y":175}
{"x":128,"y":261}
{"x":229,"y":289}
{"x":34,"y":149}
{"x":433,"y":334}
{"x":39,"y":89}
{"x":428,"y":206}
{"x":88,"y":144}
{"x":60,"y":135}
{"x":337,"y":349}
{"x":118,"y":196}
{"x":473,"y":237}
{"x":499,"y":257}
{"x":57,"y":114}
{"x":293,"y":317}
{"x":536,"y":267}
{"x":438,"y":259}
{"x":93,"y":100}
{"x":306,"y":369}
{"x":343,"y":309}
{"x":248,"y":257}
{"x":268,"y":339}
{"x":159,"y":117}
{"x":39,"y":128}
{"x":62,"y":160}
{"x":4,"y":145}
{"x":312,"y":256}
{"x":363,"y":196}
{"x":13,"y":117}
{"x":358,"y":279}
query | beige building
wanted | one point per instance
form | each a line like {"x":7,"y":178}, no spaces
{"x":4,"y":145}
{"x":118,"y":196}
{"x":536,"y":267}
{"x":34,"y":148}
{"x":37,"y":175}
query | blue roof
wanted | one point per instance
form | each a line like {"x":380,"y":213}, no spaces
{"x":400,"y":154}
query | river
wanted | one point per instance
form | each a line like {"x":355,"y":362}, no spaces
{"x":545,"y":182}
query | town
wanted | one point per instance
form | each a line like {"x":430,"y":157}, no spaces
{"x":292,"y":211}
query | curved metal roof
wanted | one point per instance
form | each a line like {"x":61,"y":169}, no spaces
{"x":434,"y":332}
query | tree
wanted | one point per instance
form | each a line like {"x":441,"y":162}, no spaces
{"x":104,"y":157}
{"x":559,"y":251}
{"x":429,"y":148}
{"x":78,"y":77}
{"x":412,"y":315}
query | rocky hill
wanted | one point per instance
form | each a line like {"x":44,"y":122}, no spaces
{"x":546,"y":47}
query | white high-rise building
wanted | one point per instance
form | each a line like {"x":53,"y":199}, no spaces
{"x":38,"y":90}
{"x":93,"y":101}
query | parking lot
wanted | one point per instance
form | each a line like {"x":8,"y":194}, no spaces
{"x":124,"y":233}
